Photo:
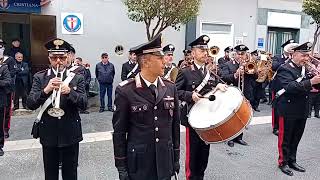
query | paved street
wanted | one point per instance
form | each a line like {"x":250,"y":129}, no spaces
{"x":23,"y":156}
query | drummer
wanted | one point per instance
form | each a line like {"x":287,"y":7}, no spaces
{"x":189,"y":91}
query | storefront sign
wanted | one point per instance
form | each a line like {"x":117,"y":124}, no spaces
{"x":238,"y":41}
{"x":72,"y":23}
{"x":260,"y":43}
{"x":23,"y":6}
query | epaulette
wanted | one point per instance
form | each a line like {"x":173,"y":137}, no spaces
{"x":125,"y":82}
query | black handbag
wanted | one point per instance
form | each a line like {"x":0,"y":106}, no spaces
{"x":35,"y":129}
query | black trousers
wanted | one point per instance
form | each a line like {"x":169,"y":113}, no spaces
{"x":2,"y":110}
{"x":197,"y":154}
{"x":275,"y":114}
{"x":314,"y":102}
{"x":8,"y":112}
{"x":290,"y":134}
{"x":21,"y":92}
{"x":69,"y":161}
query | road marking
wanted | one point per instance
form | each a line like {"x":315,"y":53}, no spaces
{"x":97,"y":137}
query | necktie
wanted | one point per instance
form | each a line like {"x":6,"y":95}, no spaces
{"x":201,"y":69}
{"x":154,"y":90}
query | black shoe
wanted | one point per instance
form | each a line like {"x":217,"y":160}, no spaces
{"x":230,"y":143}
{"x":6,"y":135}
{"x":110,"y":109}
{"x":101,"y":110}
{"x":84,"y":112}
{"x":275,"y":132}
{"x":256,"y":109}
{"x":242,"y":142}
{"x":1,"y":152}
{"x":297,"y":167}
{"x":285,"y":169}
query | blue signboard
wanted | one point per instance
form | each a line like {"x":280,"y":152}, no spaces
{"x":260,"y":42}
{"x":22,"y":6}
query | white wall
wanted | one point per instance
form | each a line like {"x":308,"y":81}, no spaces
{"x":242,"y":14}
{"x":107,"y":25}
{"x":291,"y":5}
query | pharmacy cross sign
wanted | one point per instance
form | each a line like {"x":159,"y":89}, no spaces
{"x":72,"y":23}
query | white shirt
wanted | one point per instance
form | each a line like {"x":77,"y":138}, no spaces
{"x":149,"y":83}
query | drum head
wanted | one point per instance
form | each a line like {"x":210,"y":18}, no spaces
{"x":206,"y":114}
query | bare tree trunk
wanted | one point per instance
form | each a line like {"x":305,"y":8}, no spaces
{"x":315,"y":38}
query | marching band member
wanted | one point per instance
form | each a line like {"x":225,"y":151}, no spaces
{"x":189,"y":79}
{"x":146,"y":138}
{"x":226,"y":58}
{"x":170,"y":70}
{"x":131,"y":68}
{"x":59,"y":134}
{"x":187,"y":59}
{"x":292,"y":101}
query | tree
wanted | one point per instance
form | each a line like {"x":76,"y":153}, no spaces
{"x":312,"y":8}
{"x":160,"y":14}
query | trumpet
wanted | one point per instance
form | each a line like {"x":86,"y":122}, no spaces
{"x":214,"y":51}
{"x":56,"y":111}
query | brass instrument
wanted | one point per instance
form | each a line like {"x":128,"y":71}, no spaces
{"x":214,"y":51}
{"x":249,"y":64}
{"x":264,"y":68}
{"x":173,"y":74}
{"x":56,"y":111}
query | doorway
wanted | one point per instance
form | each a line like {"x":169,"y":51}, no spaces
{"x":33,"y":31}
{"x":278,"y":36}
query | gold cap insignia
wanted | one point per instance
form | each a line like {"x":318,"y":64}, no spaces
{"x":58,"y":43}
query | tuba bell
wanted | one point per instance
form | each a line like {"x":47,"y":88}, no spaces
{"x":56,"y":111}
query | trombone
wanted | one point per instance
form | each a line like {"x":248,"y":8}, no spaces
{"x":56,"y":111}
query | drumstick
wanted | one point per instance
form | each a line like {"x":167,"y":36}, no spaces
{"x":211,"y":97}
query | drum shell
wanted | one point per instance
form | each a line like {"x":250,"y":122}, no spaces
{"x":230,"y":128}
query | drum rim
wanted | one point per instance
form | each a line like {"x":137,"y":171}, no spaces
{"x":227,"y":118}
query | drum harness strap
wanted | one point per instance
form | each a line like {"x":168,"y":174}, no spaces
{"x":282,"y":91}
{"x":48,"y":101}
{"x":169,"y":72}
{"x":133,"y":70}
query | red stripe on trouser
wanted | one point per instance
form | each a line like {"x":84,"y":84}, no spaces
{"x":3,"y":123}
{"x":273,"y":115}
{"x":10,"y":106}
{"x":280,"y":139}
{"x":187,"y":168}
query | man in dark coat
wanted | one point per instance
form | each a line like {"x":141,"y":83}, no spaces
{"x":292,"y":101}
{"x":146,"y":124}
{"x":170,"y":70}
{"x":188,"y":80}
{"x":231,"y":73}
{"x":12,"y":66}
{"x":21,"y":82}
{"x":59,"y":134}
{"x":5,"y":80}
{"x":276,"y":63}
{"x":226,"y":57}
{"x":131,"y":68}
{"x":105,"y":74}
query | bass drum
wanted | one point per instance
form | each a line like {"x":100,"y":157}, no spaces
{"x":222,"y":119}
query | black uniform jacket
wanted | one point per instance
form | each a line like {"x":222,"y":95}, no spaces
{"x":126,"y":69}
{"x":13,"y":69}
{"x":227,"y":73}
{"x":5,"y":82}
{"x":187,"y":81}
{"x":294,"y":102}
{"x":146,"y":134}
{"x":277,"y":61}
{"x":56,"y":132}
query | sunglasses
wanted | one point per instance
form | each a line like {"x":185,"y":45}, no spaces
{"x":55,"y":58}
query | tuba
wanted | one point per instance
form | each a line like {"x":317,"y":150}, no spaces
{"x":56,"y":111}
{"x":264,"y":68}
{"x":250,"y":65}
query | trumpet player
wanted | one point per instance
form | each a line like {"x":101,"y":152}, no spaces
{"x":233,"y":73}
{"x":188,"y":81}
{"x":65,"y":92}
{"x":292,"y":101}
{"x":170,"y":70}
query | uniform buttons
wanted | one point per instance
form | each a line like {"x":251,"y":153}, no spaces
{"x":288,"y":100}
{"x":156,"y":118}
{"x":155,"y":108}
{"x":157,"y":139}
{"x":139,"y":109}
{"x":157,"y":129}
{"x":132,"y":150}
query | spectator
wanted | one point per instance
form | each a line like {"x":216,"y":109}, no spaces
{"x":15,"y":47}
{"x":105,"y":74}
{"x":21,"y":81}
{"x":87,"y":78}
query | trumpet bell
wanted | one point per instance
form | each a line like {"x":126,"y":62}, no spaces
{"x":56,"y":112}
{"x":214,"y":51}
